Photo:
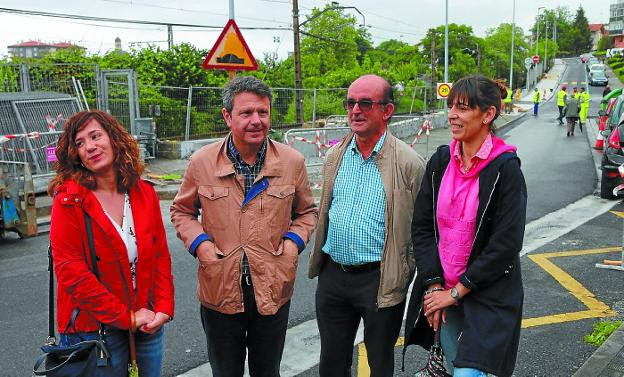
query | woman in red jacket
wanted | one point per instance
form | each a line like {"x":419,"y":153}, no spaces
{"x":98,"y":172}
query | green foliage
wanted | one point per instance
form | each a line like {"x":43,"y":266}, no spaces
{"x":276,"y":135}
{"x":171,"y":177}
{"x":335,"y":38}
{"x":604,"y":44}
{"x":617,"y":64}
{"x":602,"y":330}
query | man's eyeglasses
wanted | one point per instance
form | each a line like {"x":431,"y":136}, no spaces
{"x":364,"y":104}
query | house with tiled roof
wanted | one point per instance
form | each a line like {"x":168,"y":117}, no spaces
{"x":598,"y":31}
{"x":37,"y":49}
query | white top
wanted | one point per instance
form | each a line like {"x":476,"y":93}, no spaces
{"x":126,"y":232}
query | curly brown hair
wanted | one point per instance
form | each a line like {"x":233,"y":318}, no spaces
{"x":127,"y":162}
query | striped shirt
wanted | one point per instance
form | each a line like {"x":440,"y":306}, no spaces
{"x":357,"y":226}
{"x":249,"y":173}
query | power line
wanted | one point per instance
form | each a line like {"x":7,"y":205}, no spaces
{"x":117,"y":20}
{"x":182,"y":9}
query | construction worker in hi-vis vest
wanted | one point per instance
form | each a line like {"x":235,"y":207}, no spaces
{"x":536,"y":101}
{"x":584,"y":101}
{"x":562,"y":95}
{"x":508,"y":101}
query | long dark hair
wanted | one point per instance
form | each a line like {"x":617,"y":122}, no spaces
{"x":126,"y":163}
{"x":478,"y":91}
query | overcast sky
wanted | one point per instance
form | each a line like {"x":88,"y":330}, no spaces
{"x":406,"y":20}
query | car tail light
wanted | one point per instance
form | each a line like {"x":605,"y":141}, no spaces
{"x":614,"y":139}
{"x":611,"y":174}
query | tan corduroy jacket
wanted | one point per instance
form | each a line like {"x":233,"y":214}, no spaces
{"x":401,"y":171}
{"x":283,"y":203}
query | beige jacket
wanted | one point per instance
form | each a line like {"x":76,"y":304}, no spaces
{"x":401,"y":171}
{"x":283,"y":205}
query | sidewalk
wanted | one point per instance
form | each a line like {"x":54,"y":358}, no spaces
{"x":608,"y":359}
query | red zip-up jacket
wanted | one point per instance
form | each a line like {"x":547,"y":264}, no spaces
{"x":108,"y":301}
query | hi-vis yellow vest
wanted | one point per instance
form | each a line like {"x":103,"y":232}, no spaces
{"x":509,"y":96}
{"x":561,"y":97}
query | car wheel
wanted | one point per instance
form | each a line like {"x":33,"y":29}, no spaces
{"x":606,"y":188}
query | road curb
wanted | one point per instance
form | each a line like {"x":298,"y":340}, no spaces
{"x":608,"y":359}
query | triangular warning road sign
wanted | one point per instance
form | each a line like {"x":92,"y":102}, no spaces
{"x":230,"y":52}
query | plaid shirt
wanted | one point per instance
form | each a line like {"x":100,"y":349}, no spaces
{"x":250,"y":173}
{"x":357,"y":225}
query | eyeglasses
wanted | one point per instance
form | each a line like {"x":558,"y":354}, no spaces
{"x":364,"y":104}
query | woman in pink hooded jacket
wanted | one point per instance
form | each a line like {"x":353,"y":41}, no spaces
{"x":467,"y":232}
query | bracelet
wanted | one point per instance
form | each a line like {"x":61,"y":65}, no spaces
{"x":437,"y":289}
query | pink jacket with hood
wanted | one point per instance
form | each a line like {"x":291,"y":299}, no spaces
{"x":457,"y":206}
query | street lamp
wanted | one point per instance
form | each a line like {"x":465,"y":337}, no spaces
{"x":297,"y":47}
{"x":477,"y":52}
{"x":538,"y":27}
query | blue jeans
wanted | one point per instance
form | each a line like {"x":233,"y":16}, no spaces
{"x":450,"y":331}
{"x":149,"y":349}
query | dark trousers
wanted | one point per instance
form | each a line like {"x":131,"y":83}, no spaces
{"x":535,"y":108}
{"x":230,"y":335}
{"x":342,"y":299}
{"x":560,"y":113}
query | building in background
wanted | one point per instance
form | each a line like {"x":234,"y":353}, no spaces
{"x":37,"y":49}
{"x":615,"y":28}
{"x":598,"y":32}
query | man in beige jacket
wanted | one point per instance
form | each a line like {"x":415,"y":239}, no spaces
{"x":257,"y":214}
{"x":361,"y":252}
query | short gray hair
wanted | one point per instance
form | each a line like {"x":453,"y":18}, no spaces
{"x":244,"y":84}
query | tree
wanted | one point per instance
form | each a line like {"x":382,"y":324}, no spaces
{"x":335,"y":38}
{"x":460,"y":37}
{"x":560,"y":19}
{"x":605,"y":43}
{"x":496,"y":59}
{"x":582,"y":40}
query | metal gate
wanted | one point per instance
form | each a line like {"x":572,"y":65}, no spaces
{"x":119,"y":96}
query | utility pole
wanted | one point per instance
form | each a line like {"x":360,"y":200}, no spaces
{"x":433,"y":64}
{"x":513,"y":37}
{"x":546,"y":48}
{"x":446,"y":45}
{"x":298,"y":96}
{"x":169,"y":37}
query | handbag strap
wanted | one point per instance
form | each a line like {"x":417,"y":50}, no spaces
{"x":51,"y":339}
{"x":94,"y":268}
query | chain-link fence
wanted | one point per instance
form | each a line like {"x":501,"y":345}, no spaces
{"x":51,"y":78}
{"x":185,"y":113}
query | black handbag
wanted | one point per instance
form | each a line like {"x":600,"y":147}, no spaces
{"x":435,"y":362}
{"x":80,"y":359}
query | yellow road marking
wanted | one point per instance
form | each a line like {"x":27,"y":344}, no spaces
{"x":617,"y":213}
{"x":596,"y":308}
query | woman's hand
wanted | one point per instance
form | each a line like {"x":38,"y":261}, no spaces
{"x":435,"y":302}
{"x":142,"y":317}
{"x":155,"y":325}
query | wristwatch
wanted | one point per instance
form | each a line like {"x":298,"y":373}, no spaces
{"x":455,"y":294}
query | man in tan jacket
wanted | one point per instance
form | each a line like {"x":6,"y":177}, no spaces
{"x":257,"y":214}
{"x":362,"y":249}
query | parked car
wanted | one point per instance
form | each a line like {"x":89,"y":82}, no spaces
{"x":592,"y":61}
{"x":613,"y":155}
{"x":598,"y":78}
{"x":597,"y":67}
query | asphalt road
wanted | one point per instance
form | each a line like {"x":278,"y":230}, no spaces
{"x":558,"y":170}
